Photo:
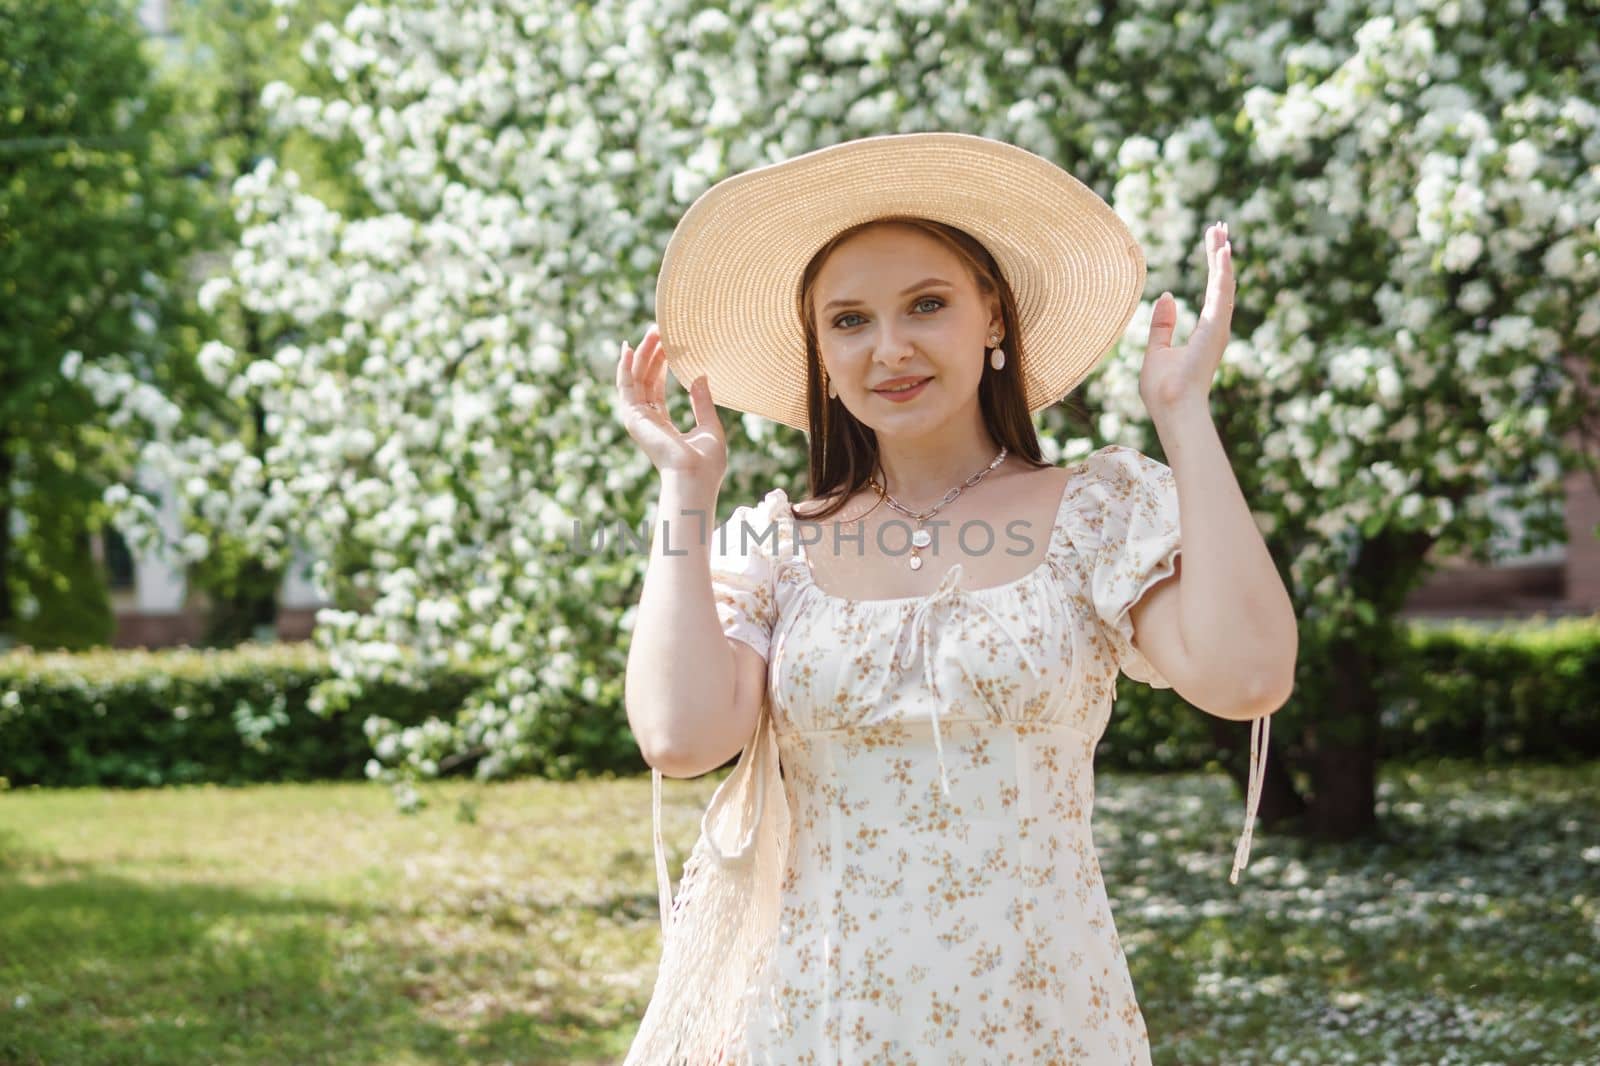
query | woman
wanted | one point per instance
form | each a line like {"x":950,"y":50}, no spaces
{"x":935,"y":636}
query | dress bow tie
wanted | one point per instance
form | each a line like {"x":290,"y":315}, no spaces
{"x":922,"y":642}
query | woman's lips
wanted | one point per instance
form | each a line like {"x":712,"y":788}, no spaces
{"x":902,"y":395}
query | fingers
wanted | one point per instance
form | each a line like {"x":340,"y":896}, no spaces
{"x":658,"y":365}
{"x":647,"y":371}
{"x":1163,"y":320}
{"x":625,"y":372}
{"x":1220,"y":284}
{"x":633,"y":394}
{"x":705,"y":412}
{"x":638,"y":371}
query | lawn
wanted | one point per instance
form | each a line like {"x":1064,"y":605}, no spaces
{"x":516,"y":923}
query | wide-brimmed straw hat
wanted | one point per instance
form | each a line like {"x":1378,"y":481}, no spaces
{"x":728,"y":294}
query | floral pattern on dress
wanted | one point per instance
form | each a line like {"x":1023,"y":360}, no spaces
{"x":942,"y":899}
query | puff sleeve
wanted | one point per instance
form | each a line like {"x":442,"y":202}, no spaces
{"x":1130,"y":513}
{"x":742,"y":551}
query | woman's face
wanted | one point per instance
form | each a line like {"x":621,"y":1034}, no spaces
{"x":893,"y":302}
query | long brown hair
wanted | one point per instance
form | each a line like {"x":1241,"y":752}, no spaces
{"x":844,"y":452}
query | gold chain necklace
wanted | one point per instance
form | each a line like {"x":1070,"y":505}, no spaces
{"x":921,"y":538}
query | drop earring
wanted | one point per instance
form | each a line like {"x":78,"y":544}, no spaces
{"x":833,"y":390}
{"x":997,"y":358}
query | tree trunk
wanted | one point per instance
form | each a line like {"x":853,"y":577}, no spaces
{"x":1342,"y":733}
{"x":1341,"y":710}
{"x":1342,"y":743}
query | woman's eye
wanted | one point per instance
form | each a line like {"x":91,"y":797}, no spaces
{"x":937,"y":303}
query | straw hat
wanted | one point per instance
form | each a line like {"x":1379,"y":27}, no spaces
{"x":728,"y":294}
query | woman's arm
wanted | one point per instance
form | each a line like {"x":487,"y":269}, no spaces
{"x":691,"y":698}
{"x":1223,"y":630}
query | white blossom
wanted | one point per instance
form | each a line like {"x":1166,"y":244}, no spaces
{"x":1415,"y":217}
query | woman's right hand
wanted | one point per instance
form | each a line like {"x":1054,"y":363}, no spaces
{"x":698,"y":456}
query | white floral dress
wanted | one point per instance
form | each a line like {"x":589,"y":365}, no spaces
{"x":942,"y":900}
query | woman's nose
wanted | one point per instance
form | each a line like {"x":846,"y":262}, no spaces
{"x":893,"y":344}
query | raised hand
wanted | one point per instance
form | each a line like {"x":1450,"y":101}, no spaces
{"x":1172,"y":376}
{"x":700,"y":454}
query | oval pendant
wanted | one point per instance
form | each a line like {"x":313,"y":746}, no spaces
{"x":916,"y":562}
{"x":922,"y":538}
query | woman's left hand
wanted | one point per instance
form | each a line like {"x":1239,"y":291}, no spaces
{"x":1172,"y":376}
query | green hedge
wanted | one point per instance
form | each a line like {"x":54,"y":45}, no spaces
{"x":1518,"y":691}
{"x":134,"y":718}
{"x":1487,"y":692}
{"x":1527,"y":690}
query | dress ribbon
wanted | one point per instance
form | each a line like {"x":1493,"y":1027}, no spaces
{"x":921,"y":642}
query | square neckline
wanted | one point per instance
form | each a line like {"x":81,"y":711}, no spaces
{"x":804,"y":561}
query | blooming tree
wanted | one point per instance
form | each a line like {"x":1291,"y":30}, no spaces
{"x":1416,"y":194}
{"x":1412,"y":196}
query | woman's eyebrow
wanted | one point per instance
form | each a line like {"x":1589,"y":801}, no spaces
{"x":907,"y":291}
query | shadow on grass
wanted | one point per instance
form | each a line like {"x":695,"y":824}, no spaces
{"x":101,"y":969}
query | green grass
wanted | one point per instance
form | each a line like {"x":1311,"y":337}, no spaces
{"x":313,"y":924}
